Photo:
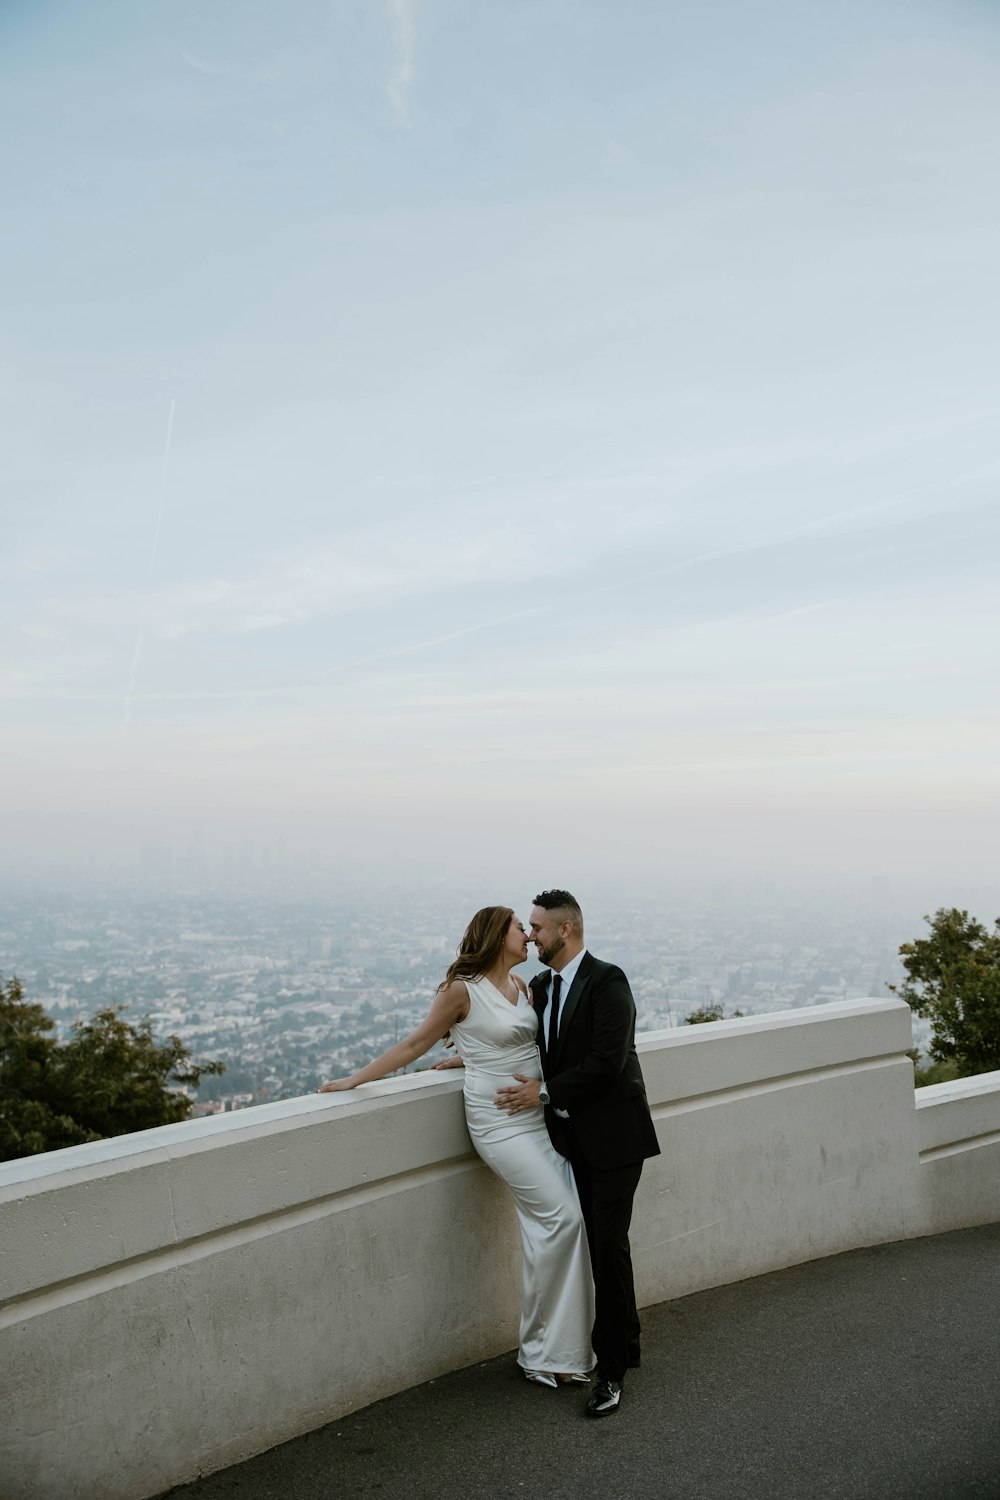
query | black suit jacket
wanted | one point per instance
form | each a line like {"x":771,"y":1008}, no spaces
{"x":594,"y":1071}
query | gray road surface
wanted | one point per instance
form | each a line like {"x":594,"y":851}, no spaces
{"x":869,"y":1376}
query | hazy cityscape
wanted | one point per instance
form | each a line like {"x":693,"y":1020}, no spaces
{"x":288,"y":988}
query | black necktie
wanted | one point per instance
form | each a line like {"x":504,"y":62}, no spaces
{"x":554,"y":1013}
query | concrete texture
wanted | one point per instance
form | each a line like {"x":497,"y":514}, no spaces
{"x":873,"y":1375}
{"x":958,"y":1136}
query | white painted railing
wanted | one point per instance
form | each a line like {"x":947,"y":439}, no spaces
{"x":175,"y":1301}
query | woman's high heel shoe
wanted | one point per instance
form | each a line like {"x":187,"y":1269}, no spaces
{"x":541,"y":1377}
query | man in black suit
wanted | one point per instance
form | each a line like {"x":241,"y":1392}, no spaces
{"x":597,"y":1115}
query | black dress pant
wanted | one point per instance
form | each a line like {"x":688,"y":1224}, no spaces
{"x":606,"y":1195}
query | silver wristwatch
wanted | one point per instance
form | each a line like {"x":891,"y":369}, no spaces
{"x":543,"y":1094}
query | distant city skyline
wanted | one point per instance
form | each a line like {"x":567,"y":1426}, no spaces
{"x":289,"y":991}
{"x":486,"y":441}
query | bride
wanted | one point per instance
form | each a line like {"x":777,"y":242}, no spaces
{"x":486,"y":1009}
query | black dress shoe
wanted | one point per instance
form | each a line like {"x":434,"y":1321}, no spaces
{"x":605,"y":1398}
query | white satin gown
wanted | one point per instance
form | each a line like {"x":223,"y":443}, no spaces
{"x":495,"y":1041}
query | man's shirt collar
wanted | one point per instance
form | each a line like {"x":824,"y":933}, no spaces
{"x":568,"y":974}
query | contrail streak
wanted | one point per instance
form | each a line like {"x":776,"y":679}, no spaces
{"x":153,"y":551}
{"x":761,"y":544}
{"x":565,"y":603}
{"x":683,"y":564}
{"x":403,"y":26}
{"x":437,"y":640}
{"x":696,"y":560}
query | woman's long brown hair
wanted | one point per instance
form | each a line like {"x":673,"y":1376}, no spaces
{"x":481,"y":945}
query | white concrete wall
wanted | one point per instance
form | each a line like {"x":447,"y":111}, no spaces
{"x":184,"y":1297}
{"x":958,"y":1137}
{"x":174,"y":1301}
{"x":785,"y":1138}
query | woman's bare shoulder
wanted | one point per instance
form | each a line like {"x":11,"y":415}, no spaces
{"x":455,"y":996}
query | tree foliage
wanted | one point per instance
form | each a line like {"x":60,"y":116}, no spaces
{"x":953,"y":978}
{"x":928,"y":1072}
{"x":714,"y":1011}
{"x":110,"y":1078}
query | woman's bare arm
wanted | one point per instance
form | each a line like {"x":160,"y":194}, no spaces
{"x":449,"y":1006}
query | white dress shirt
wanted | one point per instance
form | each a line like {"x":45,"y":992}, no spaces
{"x":567,"y":975}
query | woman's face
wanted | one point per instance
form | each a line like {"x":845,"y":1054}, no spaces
{"x":515,"y":943}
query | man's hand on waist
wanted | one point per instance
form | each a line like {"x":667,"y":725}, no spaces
{"x":525,"y":1096}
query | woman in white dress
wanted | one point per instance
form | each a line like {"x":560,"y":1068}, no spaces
{"x":486,"y":1009}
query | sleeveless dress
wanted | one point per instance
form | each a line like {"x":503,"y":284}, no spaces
{"x":495,"y":1041}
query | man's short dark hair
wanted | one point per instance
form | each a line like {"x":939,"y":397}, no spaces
{"x":567,"y":907}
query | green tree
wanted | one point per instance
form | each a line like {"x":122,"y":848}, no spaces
{"x":930,"y":1072}
{"x":713,"y":1012}
{"x":30,"y":1120}
{"x":110,"y":1078}
{"x":953,"y":979}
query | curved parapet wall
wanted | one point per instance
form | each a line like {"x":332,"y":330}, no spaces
{"x":189,"y":1295}
{"x":785,"y":1138}
{"x":958,"y":1137}
{"x":175,"y":1301}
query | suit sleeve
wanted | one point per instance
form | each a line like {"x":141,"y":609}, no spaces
{"x":612,"y":1034}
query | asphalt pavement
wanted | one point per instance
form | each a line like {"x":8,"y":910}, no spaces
{"x":873,"y":1375}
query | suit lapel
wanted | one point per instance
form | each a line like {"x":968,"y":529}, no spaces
{"x":577,"y":990}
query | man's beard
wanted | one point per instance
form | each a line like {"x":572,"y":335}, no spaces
{"x":548,"y":954}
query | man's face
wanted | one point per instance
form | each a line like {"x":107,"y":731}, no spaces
{"x":545,"y":934}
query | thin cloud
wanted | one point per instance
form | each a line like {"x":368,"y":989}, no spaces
{"x":365,"y":570}
{"x":817,"y":524}
{"x":403,"y":30}
{"x":438,"y":640}
{"x":140,"y":639}
{"x":228,"y":70}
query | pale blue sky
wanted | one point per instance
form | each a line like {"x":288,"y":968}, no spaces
{"x":575,"y":415}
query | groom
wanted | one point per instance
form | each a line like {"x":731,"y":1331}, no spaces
{"x":597,"y":1115}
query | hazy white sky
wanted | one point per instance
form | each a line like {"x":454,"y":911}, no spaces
{"x":439,"y":429}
